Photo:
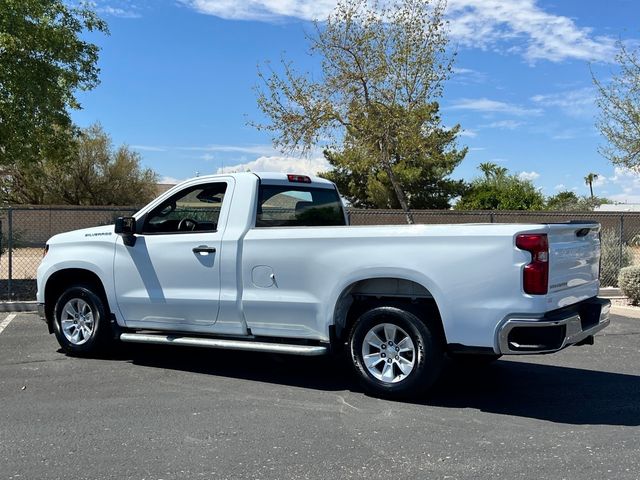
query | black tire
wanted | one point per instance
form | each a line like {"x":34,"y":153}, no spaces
{"x":83,"y":299}
{"x":427,"y":355}
{"x":474,"y":360}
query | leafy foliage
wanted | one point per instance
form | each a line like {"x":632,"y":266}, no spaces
{"x":382,"y":69}
{"x":497,"y":190}
{"x":93,"y":174}
{"x":423,"y":158}
{"x":629,"y":281}
{"x":619,"y":103}
{"x":613,"y":257}
{"x":43,"y":61}
{"x":568,"y":201}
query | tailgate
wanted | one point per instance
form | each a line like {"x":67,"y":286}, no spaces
{"x":574,"y":255}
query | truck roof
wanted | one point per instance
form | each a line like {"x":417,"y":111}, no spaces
{"x":276,"y":178}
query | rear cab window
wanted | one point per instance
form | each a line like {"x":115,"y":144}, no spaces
{"x":298,"y":206}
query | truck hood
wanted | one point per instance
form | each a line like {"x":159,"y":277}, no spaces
{"x":104,"y":233}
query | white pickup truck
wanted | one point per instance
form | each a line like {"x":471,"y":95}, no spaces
{"x":267,"y":262}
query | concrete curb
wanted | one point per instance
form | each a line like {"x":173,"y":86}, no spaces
{"x":633,"y":312}
{"x":6,"y":307}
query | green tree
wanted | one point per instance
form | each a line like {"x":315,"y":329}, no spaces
{"x":588,"y":180}
{"x":619,"y":104}
{"x":567,"y":201}
{"x":43,"y":61}
{"x":95,"y":173}
{"x":423,"y":158}
{"x":491,"y":170}
{"x":497,"y":190}
{"x":382,"y":69}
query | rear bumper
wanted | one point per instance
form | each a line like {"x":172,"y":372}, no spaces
{"x":555,"y":330}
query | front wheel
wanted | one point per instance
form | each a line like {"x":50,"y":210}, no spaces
{"x":80,"y":323}
{"x":394,"y":353}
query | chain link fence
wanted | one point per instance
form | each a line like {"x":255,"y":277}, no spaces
{"x":25,"y":230}
{"x":620,"y":236}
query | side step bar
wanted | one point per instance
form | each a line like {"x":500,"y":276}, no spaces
{"x":306,"y":350}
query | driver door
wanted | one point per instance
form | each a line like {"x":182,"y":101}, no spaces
{"x":170,"y":277}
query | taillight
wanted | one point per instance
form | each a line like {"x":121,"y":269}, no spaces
{"x":536,"y":274}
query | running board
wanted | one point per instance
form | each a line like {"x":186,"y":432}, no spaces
{"x":306,"y":350}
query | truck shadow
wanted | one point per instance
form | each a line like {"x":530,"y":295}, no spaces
{"x":546,"y":392}
{"x":507,"y":387}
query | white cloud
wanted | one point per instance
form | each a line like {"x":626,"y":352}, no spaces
{"x":626,"y":178}
{"x":149,"y":148}
{"x":169,"y":180}
{"x":264,"y":10}
{"x":304,"y":166}
{"x":468,"y":133}
{"x":527,"y":27}
{"x":530,"y":30}
{"x":492,"y":106}
{"x":504,"y":124}
{"x":560,"y":187}
{"x":531,"y":176}
{"x":625,"y":181}
{"x":564,"y":134}
{"x":468,"y":75}
{"x":625,"y":198}
{"x":600,"y":181}
{"x":119,"y":12}
{"x":576,"y":103}
{"x":117,"y":8}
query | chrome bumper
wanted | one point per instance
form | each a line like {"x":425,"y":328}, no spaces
{"x":562,"y":329}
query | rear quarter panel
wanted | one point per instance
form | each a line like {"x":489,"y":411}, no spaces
{"x":472,"y":271}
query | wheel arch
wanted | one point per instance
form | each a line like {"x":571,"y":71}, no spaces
{"x":389,"y":288}
{"x":61,"y":279}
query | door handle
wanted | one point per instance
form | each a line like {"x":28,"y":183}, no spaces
{"x":204,"y":249}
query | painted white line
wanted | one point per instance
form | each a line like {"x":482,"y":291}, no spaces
{"x":5,"y":323}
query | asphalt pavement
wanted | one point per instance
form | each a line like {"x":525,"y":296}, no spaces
{"x":154,"y":412}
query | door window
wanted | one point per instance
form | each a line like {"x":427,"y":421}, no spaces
{"x":195,"y":209}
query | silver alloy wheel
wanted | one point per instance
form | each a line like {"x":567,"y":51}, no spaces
{"x":76,"y":321}
{"x":388,"y":353}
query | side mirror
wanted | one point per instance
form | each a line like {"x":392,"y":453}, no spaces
{"x":126,"y":226}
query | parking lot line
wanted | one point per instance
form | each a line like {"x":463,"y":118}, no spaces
{"x":5,"y":323}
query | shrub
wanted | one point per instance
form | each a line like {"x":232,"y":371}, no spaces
{"x":629,"y":281}
{"x":612,"y":261}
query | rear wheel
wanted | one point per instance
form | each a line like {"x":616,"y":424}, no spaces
{"x":80,"y":321}
{"x":394,"y":353}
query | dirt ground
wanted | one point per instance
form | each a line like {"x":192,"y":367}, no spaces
{"x":25,"y":262}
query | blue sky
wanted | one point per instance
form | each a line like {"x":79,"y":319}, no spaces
{"x":177,"y":79}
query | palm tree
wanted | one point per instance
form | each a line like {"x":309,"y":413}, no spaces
{"x":589,"y":179}
{"x":491,"y":170}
